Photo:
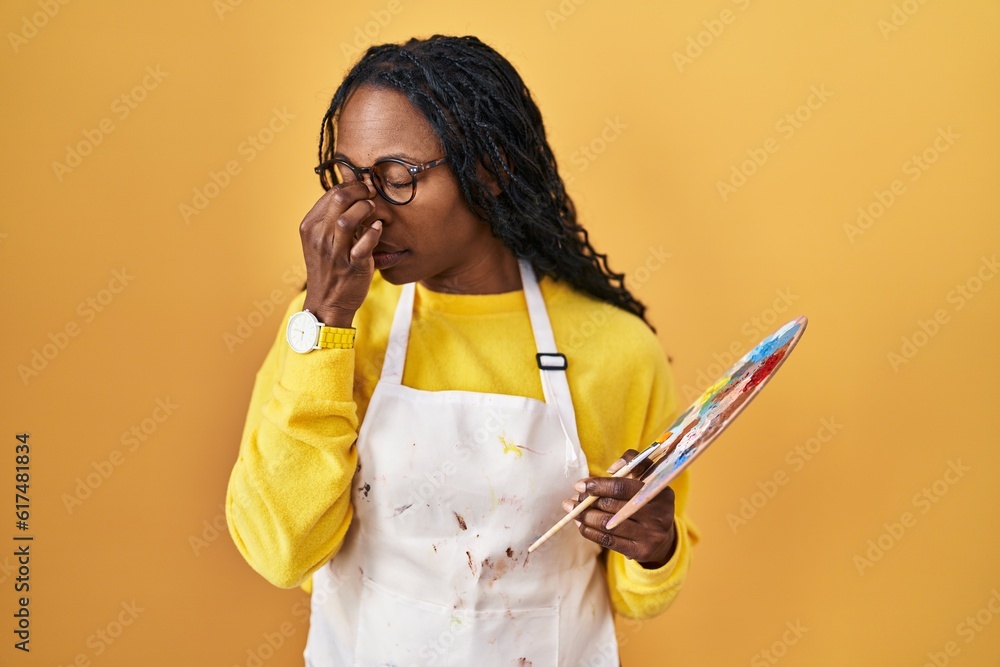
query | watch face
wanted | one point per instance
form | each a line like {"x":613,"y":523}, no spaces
{"x":302,"y":331}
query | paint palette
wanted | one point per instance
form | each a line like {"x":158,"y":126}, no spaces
{"x":709,"y":415}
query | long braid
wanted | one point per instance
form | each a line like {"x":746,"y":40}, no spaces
{"x":483,"y":113}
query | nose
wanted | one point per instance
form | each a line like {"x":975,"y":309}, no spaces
{"x":369,"y":179}
{"x":382,"y":206}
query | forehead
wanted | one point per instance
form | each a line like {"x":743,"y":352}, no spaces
{"x":381,"y":122}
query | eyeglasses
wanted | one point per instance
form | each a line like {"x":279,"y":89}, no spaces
{"x":393,"y":178}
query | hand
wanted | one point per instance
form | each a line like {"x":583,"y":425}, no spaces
{"x":337,"y":247}
{"x":648,"y":536}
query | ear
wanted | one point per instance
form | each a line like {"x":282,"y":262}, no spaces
{"x":491,"y":182}
{"x":485,"y":177}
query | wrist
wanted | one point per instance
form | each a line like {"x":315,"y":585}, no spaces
{"x":336,"y":318}
{"x":331,"y":316}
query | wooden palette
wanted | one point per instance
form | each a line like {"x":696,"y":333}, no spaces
{"x":709,"y":415}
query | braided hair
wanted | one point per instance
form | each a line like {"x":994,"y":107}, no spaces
{"x":483,"y":113}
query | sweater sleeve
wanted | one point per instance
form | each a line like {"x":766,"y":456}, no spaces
{"x":288,"y":502}
{"x":639,"y":593}
{"x":636,"y":592}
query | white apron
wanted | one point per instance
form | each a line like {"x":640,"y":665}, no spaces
{"x":451,"y":489}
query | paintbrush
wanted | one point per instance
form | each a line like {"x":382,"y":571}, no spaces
{"x":653,"y":452}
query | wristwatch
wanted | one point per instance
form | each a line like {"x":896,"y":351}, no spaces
{"x":306,"y":333}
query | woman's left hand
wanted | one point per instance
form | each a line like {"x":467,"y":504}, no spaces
{"x":648,"y":536}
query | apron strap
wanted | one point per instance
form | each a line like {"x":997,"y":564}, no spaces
{"x":552,"y":364}
{"x":399,"y":337}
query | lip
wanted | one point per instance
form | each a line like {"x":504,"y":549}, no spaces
{"x":386,"y":248}
{"x":385,"y":259}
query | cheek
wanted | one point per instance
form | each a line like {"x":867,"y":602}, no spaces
{"x":442,"y":219}
{"x":444,"y":195}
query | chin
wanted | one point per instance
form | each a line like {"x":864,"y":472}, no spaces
{"x":394,"y":276}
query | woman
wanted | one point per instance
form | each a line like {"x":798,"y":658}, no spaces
{"x":491,"y":378}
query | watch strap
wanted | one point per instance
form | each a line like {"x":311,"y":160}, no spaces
{"x":336,"y":338}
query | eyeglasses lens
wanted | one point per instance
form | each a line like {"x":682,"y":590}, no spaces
{"x":392,"y":179}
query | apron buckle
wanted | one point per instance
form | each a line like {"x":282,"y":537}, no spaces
{"x":551,"y":361}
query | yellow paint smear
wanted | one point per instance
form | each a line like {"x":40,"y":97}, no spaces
{"x":510,"y":447}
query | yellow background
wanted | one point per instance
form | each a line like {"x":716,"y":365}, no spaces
{"x":662,"y":132}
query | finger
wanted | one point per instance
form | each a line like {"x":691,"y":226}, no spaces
{"x":643,"y":541}
{"x":622,"y":488}
{"x":599,"y":514}
{"x":611,"y":505}
{"x":340,"y":197}
{"x":621,"y":462}
{"x":352,"y":190}
{"x":570,"y":503}
{"x":630,"y":529}
{"x":316,"y":225}
{"x":596,"y":518}
{"x":641,"y":468}
{"x":609,"y":541}
{"x":657,"y":512}
{"x":346,"y":224}
{"x":362,"y":250}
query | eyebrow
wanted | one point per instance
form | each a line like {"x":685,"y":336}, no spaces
{"x":397,"y":155}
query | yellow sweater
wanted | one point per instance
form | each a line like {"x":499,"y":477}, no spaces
{"x":288,"y":503}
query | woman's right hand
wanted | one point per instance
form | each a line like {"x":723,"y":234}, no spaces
{"x":339,"y":269}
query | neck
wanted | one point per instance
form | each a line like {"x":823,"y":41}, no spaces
{"x":494,"y":270}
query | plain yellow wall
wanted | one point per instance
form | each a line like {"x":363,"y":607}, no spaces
{"x":740,"y":137}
